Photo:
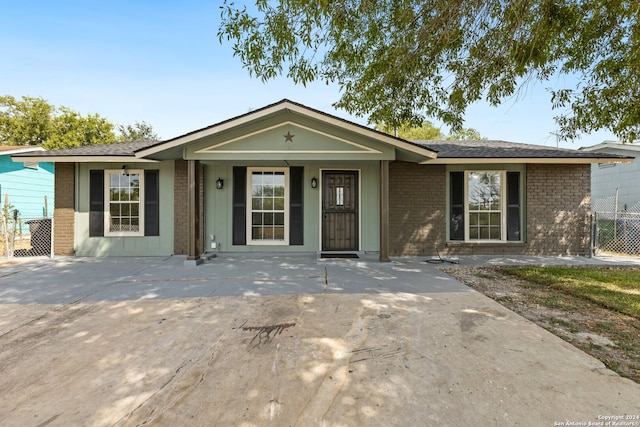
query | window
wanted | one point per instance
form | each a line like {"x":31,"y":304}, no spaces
{"x":484,"y":206}
{"x":124,"y":214}
{"x":268,"y":218}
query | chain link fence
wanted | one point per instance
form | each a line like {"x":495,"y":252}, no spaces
{"x":25,"y":237}
{"x":616,"y":232}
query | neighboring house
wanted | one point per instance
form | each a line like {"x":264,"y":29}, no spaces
{"x":615,"y":187}
{"x":26,"y":184}
{"x":288,"y":178}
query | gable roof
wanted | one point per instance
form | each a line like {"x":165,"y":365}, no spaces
{"x":293,"y":109}
{"x":495,"y":151}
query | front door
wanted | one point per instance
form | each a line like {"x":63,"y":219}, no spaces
{"x":339,"y":210}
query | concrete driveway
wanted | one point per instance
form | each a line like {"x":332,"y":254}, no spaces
{"x":284,"y":340}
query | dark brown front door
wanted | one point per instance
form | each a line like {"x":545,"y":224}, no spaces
{"x":339,"y":210}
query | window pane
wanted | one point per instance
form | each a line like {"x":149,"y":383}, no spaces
{"x":134,"y":181}
{"x":473,"y":218}
{"x":278,"y":191}
{"x":483,"y":218}
{"x":473,"y":233}
{"x":268,"y":233}
{"x":267,"y":204}
{"x":135,"y":194}
{"x":268,"y":219}
{"x":115,"y":224}
{"x":495,"y":233}
{"x":278,"y":233}
{"x":484,"y":190}
{"x":278,"y":179}
{"x":256,"y":203}
{"x":256,"y":218}
{"x":256,"y":233}
{"x":135,"y":209}
{"x":114,"y":195}
{"x":114,"y":210}
{"x":484,"y":233}
{"x":114,"y":180}
{"x":278,"y":219}
{"x":278,"y":203}
{"x":494,"y":218}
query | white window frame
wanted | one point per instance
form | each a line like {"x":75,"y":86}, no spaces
{"x":250,"y":240}
{"x":503,"y":207}
{"x":107,"y":204}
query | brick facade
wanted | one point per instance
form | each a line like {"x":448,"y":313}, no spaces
{"x":63,"y":213}
{"x":417,"y":208}
{"x":180,"y":211}
{"x":180,"y":208}
{"x":558,"y":209}
{"x":556,"y":220}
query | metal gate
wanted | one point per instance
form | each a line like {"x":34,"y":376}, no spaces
{"x":25,"y":237}
{"x":616,"y":232}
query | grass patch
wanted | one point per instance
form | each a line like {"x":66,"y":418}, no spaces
{"x":614,"y":288}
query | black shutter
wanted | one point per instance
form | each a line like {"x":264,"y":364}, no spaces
{"x":96,"y":203}
{"x":456,"y":208}
{"x":296,"y":212}
{"x":151,"y":203}
{"x":513,"y":206}
{"x":239,"y":205}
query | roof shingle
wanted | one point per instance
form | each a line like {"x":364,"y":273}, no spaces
{"x":492,"y":149}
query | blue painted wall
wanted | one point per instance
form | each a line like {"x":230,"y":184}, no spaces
{"x":27,"y":187}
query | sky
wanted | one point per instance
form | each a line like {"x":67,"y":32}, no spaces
{"x":161,"y":62}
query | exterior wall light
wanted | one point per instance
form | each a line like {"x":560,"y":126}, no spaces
{"x":124,"y":169}
{"x":220,"y":183}
{"x":314,"y":182}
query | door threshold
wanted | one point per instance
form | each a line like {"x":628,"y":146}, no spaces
{"x":348,"y":255}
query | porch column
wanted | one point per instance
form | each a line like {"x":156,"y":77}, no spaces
{"x":193,"y":209}
{"x":384,"y":211}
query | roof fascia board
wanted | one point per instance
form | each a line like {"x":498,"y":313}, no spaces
{"x":612,"y":145}
{"x":21,"y":150}
{"x":503,"y":160}
{"x":80,"y":159}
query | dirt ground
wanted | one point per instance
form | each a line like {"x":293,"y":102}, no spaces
{"x":611,"y":337}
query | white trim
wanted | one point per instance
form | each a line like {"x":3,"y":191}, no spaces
{"x":611,"y":144}
{"x":248,"y":225}
{"x":107,"y":205}
{"x":214,"y":148}
{"x":82,"y":159}
{"x":512,"y":160}
{"x":19,"y":150}
{"x":321,"y":201}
